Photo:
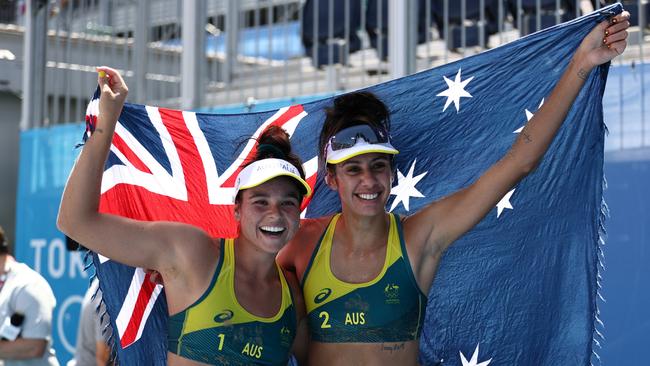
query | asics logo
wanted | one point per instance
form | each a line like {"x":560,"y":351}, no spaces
{"x":322,"y":295}
{"x":223,"y":316}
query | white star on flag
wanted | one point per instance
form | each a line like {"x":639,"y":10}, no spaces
{"x":529,"y":115}
{"x":455,"y":91}
{"x":405,"y":188}
{"x":505,"y":203}
{"x":474,"y":360}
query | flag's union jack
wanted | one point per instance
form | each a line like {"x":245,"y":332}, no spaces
{"x":179,"y":175}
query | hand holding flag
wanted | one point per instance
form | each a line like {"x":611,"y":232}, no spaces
{"x":113,"y":91}
{"x":606,"y":41}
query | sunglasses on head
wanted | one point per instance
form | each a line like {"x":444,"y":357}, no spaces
{"x":348,"y":137}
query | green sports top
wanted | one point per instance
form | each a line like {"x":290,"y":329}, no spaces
{"x":217,"y":330}
{"x":389,"y":308}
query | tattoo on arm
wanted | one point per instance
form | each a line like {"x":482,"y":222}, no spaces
{"x":527,"y":137}
{"x":582,"y":74}
{"x":387,"y":347}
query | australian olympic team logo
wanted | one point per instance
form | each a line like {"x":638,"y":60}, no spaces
{"x":391,"y":291}
{"x":224,"y":316}
{"x":322,"y":295}
{"x":285,"y":337}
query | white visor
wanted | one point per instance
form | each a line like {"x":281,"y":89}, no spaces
{"x":264,"y":170}
{"x":360,"y":147}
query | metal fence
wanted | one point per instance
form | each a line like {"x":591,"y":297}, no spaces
{"x":191,"y":54}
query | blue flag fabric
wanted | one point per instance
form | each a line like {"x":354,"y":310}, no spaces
{"x":521,"y":288}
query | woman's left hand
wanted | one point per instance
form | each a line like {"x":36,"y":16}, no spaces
{"x":606,"y":41}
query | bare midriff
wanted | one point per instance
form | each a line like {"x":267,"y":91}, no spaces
{"x":387,"y":353}
{"x":176,"y":360}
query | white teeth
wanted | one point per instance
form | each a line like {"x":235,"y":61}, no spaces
{"x":273,"y":229}
{"x":368,"y":196}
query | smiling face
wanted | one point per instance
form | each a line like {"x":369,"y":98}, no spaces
{"x":269,"y":214}
{"x":363,"y":183}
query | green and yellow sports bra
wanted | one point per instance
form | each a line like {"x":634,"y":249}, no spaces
{"x":217,"y":330}
{"x":389,"y":308}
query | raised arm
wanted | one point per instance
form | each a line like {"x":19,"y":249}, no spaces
{"x":132,"y":242}
{"x":446,"y":220}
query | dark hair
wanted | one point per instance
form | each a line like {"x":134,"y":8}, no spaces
{"x":274,"y":143}
{"x":349,"y":110}
{"x":4,"y":244}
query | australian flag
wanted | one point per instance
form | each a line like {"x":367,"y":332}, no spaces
{"x":521,"y":288}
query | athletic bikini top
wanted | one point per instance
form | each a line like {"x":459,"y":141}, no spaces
{"x":389,"y":308}
{"x":217,"y":330}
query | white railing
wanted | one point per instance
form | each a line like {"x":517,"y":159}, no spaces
{"x":268,"y":49}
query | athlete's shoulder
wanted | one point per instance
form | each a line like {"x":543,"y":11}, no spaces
{"x":314,"y":226}
{"x":295,"y":255}
{"x":310,"y":232}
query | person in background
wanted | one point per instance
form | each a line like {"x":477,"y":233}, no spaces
{"x":91,"y":346}
{"x":26,"y":306}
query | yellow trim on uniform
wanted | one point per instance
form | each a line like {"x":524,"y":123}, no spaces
{"x":286,"y":297}
{"x":322,"y":265}
{"x":222,"y":296}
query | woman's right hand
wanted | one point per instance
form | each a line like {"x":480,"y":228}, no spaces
{"x":113,"y":93}
{"x":606,"y":41}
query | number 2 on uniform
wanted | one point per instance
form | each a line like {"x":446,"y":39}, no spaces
{"x":221,"y":339}
{"x":326,"y":318}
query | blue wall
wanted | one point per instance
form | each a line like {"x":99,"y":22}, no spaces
{"x":46,"y":157}
{"x":626,"y":279}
